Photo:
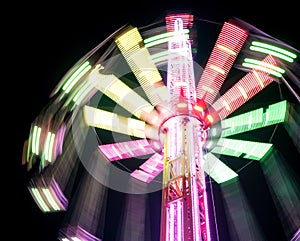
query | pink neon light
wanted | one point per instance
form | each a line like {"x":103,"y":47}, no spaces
{"x":179,"y":219}
{"x":154,"y":165}
{"x":186,"y":18}
{"x":234,"y":98}
{"x":142,"y":176}
{"x":171,"y":221}
{"x":196,"y":217}
{"x":180,"y":72}
{"x":150,"y":168}
{"x":85,"y":235}
{"x":123,"y":150}
{"x":59,"y":140}
{"x":58,"y":195}
{"x":231,"y":38}
{"x":206,"y":214}
{"x":174,"y":221}
{"x":77,"y":233}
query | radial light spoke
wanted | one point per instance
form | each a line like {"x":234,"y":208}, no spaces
{"x":240,"y":148}
{"x":150,"y":168}
{"x":175,"y":108}
{"x":117,"y":123}
{"x":126,"y":149}
{"x":247,"y":87}
{"x":124,"y":96}
{"x":218,"y":170}
{"x":139,"y":60}
{"x":48,"y":197}
{"x":224,"y":53}
{"x":258,"y":118}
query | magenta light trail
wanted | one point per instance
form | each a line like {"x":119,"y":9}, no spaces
{"x":225,"y":51}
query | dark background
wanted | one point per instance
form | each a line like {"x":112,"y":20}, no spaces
{"x":44,"y":40}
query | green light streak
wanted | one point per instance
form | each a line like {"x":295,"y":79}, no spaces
{"x":237,"y":148}
{"x":82,"y":70}
{"x":275,"y":48}
{"x":160,"y":41}
{"x":74,"y":93}
{"x":262,"y":68}
{"x":217,"y":170}
{"x":163,"y":36}
{"x":28,"y":146}
{"x":39,"y":199}
{"x":267,"y":65}
{"x":268,"y":51}
{"x":82,"y":93}
{"x":46,"y":147}
{"x":161,"y":56}
{"x":51,"y":199}
{"x":36,"y":139}
{"x":274,"y":114}
{"x":51,"y":147}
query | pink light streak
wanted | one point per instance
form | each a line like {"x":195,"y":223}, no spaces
{"x":227,"y":47}
{"x":123,"y":150}
{"x":58,"y":195}
{"x":150,"y":168}
{"x":243,"y":90}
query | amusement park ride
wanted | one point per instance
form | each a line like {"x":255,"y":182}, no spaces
{"x":173,"y":117}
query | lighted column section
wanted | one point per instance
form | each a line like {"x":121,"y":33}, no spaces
{"x":184,"y":214}
{"x":184,"y":206}
{"x":181,"y":79}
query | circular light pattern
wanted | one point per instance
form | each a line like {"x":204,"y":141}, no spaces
{"x":117,"y":115}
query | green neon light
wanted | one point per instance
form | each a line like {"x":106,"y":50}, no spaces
{"x":87,"y":87}
{"x":68,"y":80}
{"x":160,"y":41}
{"x":161,"y":56}
{"x":268,"y":51}
{"x":274,"y":114}
{"x":261,"y":63}
{"x":77,"y":78}
{"x":46,"y":147}
{"x":49,"y":146}
{"x":36,"y":140}
{"x":262,"y":68}
{"x":74,"y":93}
{"x":82,"y":70}
{"x":157,"y":42}
{"x":37,"y":196}
{"x":71,"y":78}
{"x":50,"y":152}
{"x":275,"y":48}
{"x":237,"y":148}
{"x":163,"y":36}
{"x":51,"y":199}
{"x":29,"y":144}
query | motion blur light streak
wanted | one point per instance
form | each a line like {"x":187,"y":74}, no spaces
{"x":283,"y":185}
{"x":240,"y":216}
{"x":138,"y":117}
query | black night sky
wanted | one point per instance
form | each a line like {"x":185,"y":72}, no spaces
{"x":49,"y":38}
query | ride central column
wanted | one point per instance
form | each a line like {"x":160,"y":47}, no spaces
{"x":184,"y":207}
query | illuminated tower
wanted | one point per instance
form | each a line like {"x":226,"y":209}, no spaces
{"x":184,"y":205}
{"x":132,"y":116}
